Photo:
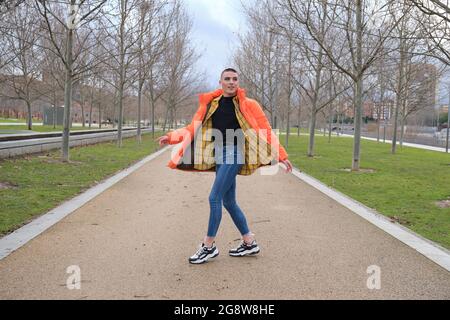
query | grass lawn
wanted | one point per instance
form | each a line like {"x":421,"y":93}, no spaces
{"x":9,"y":120}
{"x":294,"y":130}
{"x":304,"y":130}
{"x":11,"y":129}
{"x":38,"y":183}
{"x":404,"y":186}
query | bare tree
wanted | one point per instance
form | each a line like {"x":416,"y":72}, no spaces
{"x":360,"y":22}
{"x":156,"y":17}
{"x":6,"y":56}
{"x":80,"y":15}
{"x":182,"y":78}
{"x":411,"y":89}
{"x":22,"y":41}
{"x":122,"y":25}
{"x":383,"y":73}
{"x":52,"y":89}
{"x":277,"y":58}
{"x":259,"y":58}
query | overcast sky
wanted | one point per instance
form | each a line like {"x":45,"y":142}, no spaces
{"x":215,"y":24}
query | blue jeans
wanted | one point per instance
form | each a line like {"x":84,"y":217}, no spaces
{"x":224,"y":190}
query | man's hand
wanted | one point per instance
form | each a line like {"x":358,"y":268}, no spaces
{"x":163,"y":140}
{"x":287,"y":164}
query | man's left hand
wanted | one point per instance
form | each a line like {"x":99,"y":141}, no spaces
{"x":287,"y":164}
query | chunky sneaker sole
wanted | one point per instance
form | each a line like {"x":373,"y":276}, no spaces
{"x":245,"y":250}
{"x":204,"y":257}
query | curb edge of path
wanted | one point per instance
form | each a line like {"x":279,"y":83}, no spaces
{"x":21,"y":236}
{"x":426,"y":247}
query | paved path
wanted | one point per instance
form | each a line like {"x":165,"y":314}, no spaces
{"x":133,"y":241}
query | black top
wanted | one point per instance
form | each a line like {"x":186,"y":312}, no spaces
{"x":225,"y":118}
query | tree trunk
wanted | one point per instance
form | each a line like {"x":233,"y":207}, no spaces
{"x":448,"y":122}
{"x":55,"y":114}
{"x":289,"y":91}
{"x":99,"y":116}
{"x":165,"y":119}
{"x":91,"y":107}
{"x":378,"y":128}
{"x":359,"y":89}
{"x":339,"y":118}
{"x":139,"y":138}
{"x":120,"y":103}
{"x":312,"y":128}
{"x":153,"y":118}
{"x":122,"y":74}
{"x":330,"y":118}
{"x":175,"y":117}
{"x":299,"y":117}
{"x":399,"y":92}
{"x":152,"y":106}
{"x":67,"y":96}
{"x":402,"y":130}
{"x":357,"y":124}
{"x":83,"y":118}
{"x":29,"y":118}
{"x":330,"y":126}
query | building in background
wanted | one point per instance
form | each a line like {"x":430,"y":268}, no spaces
{"x":48,"y":95}
{"x":422,"y":95}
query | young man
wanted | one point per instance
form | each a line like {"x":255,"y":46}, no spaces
{"x":239,"y":126}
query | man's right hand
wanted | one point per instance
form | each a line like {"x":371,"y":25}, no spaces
{"x":163,"y":140}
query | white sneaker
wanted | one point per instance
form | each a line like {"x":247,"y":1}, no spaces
{"x":204,"y":253}
{"x":245,"y":249}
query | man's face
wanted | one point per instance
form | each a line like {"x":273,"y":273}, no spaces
{"x":229,"y":82}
